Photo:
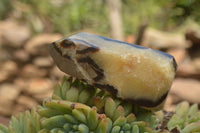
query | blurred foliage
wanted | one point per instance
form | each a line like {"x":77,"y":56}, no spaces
{"x":164,"y":14}
{"x":67,"y":16}
{"x":5,"y":7}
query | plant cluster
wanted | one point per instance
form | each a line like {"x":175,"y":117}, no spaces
{"x":76,"y":107}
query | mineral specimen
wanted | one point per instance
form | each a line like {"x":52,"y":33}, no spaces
{"x":133,"y":73}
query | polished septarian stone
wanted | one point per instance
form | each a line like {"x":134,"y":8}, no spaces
{"x":137,"y":74}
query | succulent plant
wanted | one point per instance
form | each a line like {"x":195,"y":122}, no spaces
{"x":78,"y":107}
{"x":66,"y":116}
{"x":186,"y":119}
{"x":29,"y":122}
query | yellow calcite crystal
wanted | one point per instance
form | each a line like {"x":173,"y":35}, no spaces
{"x":137,"y":74}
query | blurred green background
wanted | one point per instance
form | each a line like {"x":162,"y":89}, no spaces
{"x":67,"y":16}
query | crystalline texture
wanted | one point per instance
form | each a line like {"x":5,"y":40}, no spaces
{"x":137,"y":74}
